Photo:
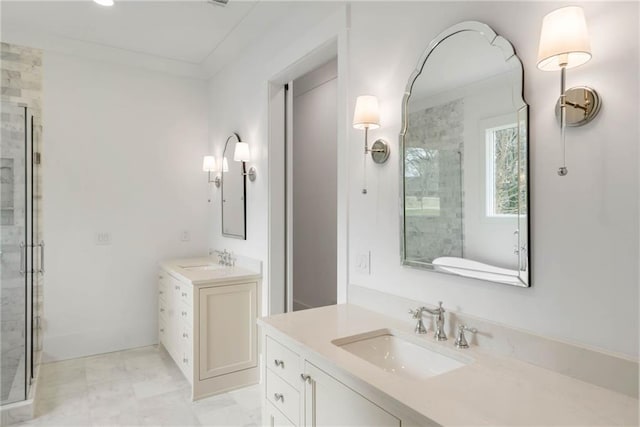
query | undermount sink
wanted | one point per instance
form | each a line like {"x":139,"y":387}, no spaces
{"x":399,"y":356}
{"x":202,"y":267}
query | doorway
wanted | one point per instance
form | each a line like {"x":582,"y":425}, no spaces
{"x":312,"y":219}
{"x":291,"y":89}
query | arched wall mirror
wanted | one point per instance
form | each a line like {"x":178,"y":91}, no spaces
{"x":464,"y":163}
{"x":234,"y":208}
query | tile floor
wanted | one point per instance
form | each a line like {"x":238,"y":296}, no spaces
{"x":136,"y":387}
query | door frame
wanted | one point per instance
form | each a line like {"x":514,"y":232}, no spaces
{"x":280,"y":172}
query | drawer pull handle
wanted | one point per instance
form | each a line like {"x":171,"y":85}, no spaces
{"x":185,"y":360}
{"x":184,"y":313}
{"x":306,"y":378}
{"x":184,"y":294}
{"x":185,"y":335}
{"x":162,"y":310}
{"x":279,"y":396}
{"x":162,"y":330}
{"x":279,"y":363}
{"x":161,"y":292}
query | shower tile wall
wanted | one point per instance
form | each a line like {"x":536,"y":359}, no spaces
{"x":21,"y":84}
{"x":437,"y":135}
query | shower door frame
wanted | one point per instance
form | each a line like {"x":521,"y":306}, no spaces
{"x":27,"y":242}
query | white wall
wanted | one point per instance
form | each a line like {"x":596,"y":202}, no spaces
{"x":584,"y":226}
{"x":238,"y":102}
{"x":122,"y":154}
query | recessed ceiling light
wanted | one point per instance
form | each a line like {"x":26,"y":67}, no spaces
{"x":104,"y":2}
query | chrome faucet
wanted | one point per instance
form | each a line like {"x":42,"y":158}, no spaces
{"x":439,"y":334}
{"x":417,"y":315}
{"x":226,"y":258}
{"x":461,"y":340}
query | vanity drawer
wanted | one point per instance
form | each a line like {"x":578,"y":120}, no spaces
{"x":162,"y":310}
{"x":283,"y":396}
{"x":185,"y":364}
{"x":185,"y":313}
{"x":186,"y":294}
{"x":162,"y":288}
{"x":185,"y":337}
{"x":162,"y":331}
{"x":274,"y":417}
{"x":283,"y":362}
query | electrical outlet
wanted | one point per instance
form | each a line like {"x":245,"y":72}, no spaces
{"x":103,"y":238}
{"x":363,"y":262}
{"x":185,"y":236}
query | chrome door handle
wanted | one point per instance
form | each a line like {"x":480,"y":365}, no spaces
{"x":22,"y":259}
{"x":41,"y":245}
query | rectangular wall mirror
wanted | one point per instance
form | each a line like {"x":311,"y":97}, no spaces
{"x":464,"y":159}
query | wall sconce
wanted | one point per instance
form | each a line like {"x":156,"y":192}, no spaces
{"x":564,"y":44}
{"x":209,"y":165}
{"x":243,"y":154}
{"x":367,"y":116}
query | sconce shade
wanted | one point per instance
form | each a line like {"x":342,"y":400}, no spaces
{"x":242,"y":153}
{"x":209,"y":164}
{"x":367,"y":113}
{"x":563,"y":39}
{"x":225,"y":165}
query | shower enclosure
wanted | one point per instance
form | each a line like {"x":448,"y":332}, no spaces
{"x":21,"y":251}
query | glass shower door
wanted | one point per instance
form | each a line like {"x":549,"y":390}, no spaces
{"x":17,"y":249}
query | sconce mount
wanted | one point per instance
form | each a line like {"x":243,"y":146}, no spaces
{"x":380,"y":151}
{"x":582,"y":105}
{"x":251,"y":174}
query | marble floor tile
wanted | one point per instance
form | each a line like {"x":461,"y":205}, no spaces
{"x":136,"y":387}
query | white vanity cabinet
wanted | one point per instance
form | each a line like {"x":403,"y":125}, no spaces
{"x":299,"y":393}
{"x":208,"y":326}
{"x":328,"y":402}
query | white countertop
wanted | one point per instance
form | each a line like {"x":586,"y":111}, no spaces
{"x":199,"y":277}
{"x":492,"y":390}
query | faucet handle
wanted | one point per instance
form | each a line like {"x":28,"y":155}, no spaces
{"x":417,"y":313}
{"x":461,"y":340}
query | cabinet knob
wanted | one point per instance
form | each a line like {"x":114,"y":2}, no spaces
{"x":161,"y":310}
{"x":184,"y":294}
{"x":185,"y":335}
{"x":185,"y":360}
{"x":279,"y":363}
{"x":177,"y":288}
{"x":279,"y":396}
{"x":161,"y":292}
{"x":162,"y":330}
{"x":306,"y":378}
{"x":184,"y":313}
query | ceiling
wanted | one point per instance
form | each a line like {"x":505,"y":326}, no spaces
{"x":189,"y":31}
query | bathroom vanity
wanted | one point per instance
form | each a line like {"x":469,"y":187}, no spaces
{"x":207,"y":323}
{"x":345,"y":365}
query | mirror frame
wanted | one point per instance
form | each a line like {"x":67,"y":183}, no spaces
{"x":242,"y":236}
{"x":493,"y":39}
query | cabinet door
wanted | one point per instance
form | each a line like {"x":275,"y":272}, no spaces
{"x":275,"y":418}
{"x":227,"y":329}
{"x":328,"y":402}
